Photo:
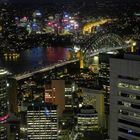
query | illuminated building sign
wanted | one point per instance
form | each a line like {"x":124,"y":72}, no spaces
{"x":3,"y":118}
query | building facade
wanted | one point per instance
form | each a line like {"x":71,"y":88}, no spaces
{"x":3,"y":105}
{"x":96,"y":99}
{"x":87,"y":119}
{"x":125,"y":98}
{"x":54,"y":93}
{"x":42,"y":122}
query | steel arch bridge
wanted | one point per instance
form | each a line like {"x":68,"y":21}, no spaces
{"x":103,"y":43}
{"x":91,"y":46}
{"x":99,"y":43}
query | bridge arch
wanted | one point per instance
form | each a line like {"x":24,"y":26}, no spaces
{"x":102,"y":43}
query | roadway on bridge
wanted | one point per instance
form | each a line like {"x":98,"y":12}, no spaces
{"x":44,"y":69}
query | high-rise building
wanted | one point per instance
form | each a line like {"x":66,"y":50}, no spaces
{"x":96,"y":99}
{"x":104,"y":80}
{"x":3,"y":104}
{"x":42,"y":122}
{"x":125,"y":98}
{"x":62,"y":94}
{"x":87,"y":119}
{"x":66,"y":124}
{"x":71,"y":99}
{"x":54,"y":93}
{"x":104,"y":70}
{"x":12,"y":93}
{"x":68,"y":97}
{"x":104,"y":75}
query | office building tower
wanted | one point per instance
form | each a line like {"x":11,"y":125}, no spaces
{"x":12,"y":92}
{"x":104,"y":77}
{"x":42,"y":122}
{"x":68,"y":97}
{"x":104,"y":81}
{"x":71,"y":98}
{"x":96,"y":99}
{"x":54,"y":93}
{"x":66,"y":124}
{"x":3,"y":104}
{"x":87,"y":119}
{"x":125,"y":98}
{"x":104,"y":71}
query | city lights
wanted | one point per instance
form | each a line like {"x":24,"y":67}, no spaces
{"x":69,"y":70}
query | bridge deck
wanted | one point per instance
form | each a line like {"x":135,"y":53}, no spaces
{"x":47,"y":68}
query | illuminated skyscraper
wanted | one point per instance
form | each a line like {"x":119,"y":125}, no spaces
{"x":42,"y":122}
{"x":87,"y":119}
{"x":125,"y":98}
{"x":96,"y":99}
{"x":54,"y":93}
{"x":71,"y":101}
{"x":68,"y":97}
{"x":3,"y":105}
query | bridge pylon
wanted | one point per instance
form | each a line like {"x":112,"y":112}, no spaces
{"x":81,"y":63}
{"x":133,"y":44}
{"x":80,"y":56}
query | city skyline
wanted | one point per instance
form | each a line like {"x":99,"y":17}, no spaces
{"x":69,"y":70}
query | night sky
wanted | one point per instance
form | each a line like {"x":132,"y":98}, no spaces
{"x":66,"y":1}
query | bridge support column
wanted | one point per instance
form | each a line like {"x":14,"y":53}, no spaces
{"x":81,"y":63}
{"x":80,"y":56}
{"x":132,"y":49}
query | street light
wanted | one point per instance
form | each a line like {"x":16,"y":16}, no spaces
{"x":133,"y":44}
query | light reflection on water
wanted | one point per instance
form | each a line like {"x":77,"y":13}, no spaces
{"x":33,"y":58}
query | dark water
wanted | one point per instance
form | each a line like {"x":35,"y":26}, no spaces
{"x":33,"y":58}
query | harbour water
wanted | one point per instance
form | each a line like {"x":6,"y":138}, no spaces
{"x":32,"y":58}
